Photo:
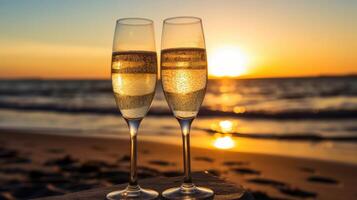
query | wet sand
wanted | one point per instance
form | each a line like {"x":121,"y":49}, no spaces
{"x":35,"y":165}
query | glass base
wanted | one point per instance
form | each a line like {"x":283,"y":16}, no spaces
{"x":188,"y":192}
{"x":133,"y":193}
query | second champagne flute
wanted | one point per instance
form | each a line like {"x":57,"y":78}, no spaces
{"x":184,"y":81}
{"x":134,"y":75}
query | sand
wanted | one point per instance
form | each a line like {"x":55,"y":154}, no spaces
{"x":35,"y":165}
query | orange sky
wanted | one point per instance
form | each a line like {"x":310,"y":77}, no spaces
{"x":72,"y":39}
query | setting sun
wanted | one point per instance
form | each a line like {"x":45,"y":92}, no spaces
{"x":227,"y":61}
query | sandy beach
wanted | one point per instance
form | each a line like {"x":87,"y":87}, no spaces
{"x":35,"y":165}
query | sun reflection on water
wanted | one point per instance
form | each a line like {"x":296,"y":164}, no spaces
{"x":223,"y":139}
{"x":224,"y":126}
{"x":224,"y":142}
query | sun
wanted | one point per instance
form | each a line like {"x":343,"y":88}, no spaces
{"x":227,"y":61}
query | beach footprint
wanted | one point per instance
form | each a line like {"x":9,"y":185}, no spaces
{"x":10,"y":156}
{"x":284,"y":188}
{"x":234,"y":163}
{"x":246,"y":171}
{"x":322,"y":180}
{"x":204,"y":158}
{"x":318,"y":179}
{"x":296,"y":192}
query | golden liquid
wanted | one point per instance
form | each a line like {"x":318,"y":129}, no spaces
{"x":184,"y":79}
{"x":134,"y":75}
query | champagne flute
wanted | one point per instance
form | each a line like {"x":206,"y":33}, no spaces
{"x":184,"y":81}
{"x":134,"y":76}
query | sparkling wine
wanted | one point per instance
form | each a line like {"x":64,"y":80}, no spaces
{"x":134,"y":79}
{"x":184,"y":79}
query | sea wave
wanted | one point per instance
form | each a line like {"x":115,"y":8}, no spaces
{"x":279,"y":99}
{"x":204,"y":112}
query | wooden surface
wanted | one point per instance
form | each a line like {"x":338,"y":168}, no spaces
{"x":223,"y":190}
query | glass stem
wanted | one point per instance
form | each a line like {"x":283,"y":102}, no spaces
{"x":185,"y":129}
{"x":133,"y":128}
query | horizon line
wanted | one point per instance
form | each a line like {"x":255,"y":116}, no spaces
{"x":210,"y":77}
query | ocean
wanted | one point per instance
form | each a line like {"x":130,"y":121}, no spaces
{"x":303,"y":117}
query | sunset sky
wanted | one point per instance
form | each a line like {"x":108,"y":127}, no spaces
{"x":73,"y":39}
